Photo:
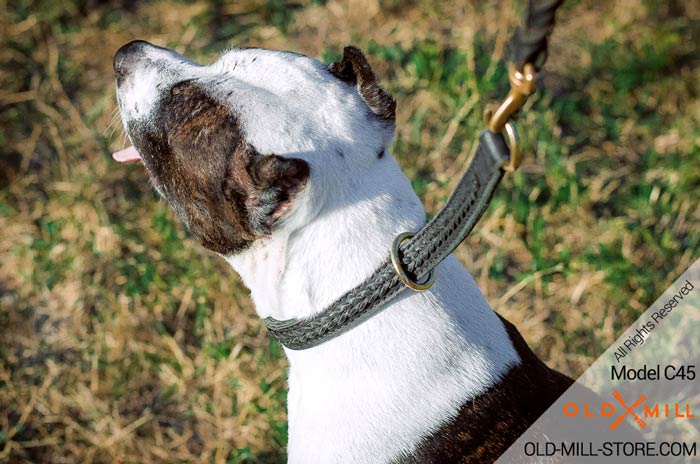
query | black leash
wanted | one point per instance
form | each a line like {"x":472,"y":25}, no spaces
{"x":413,"y":258}
{"x":529,"y":43}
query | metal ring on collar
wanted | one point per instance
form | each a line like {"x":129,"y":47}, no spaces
{"x":512,"y":135}
{"x":398,"y":267}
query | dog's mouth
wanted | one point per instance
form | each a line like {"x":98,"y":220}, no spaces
{"x":127,"y":155}
{"x":130,"y":155}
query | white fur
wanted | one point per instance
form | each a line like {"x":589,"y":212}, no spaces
{"x":373,"y":393}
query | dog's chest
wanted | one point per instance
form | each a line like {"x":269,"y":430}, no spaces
{"x":375,"y":393}
{"x":488,"y":424}
{"x":403,"y":410}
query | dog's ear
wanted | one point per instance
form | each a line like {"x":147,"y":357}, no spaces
{"x":274,"y":182}
{"x":354,"y":69}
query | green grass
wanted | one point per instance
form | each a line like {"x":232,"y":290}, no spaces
{"x":124,"y":341}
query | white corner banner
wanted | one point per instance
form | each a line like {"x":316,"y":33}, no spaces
{"x":639,"y":402}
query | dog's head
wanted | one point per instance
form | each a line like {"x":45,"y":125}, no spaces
{"x":238,"y":147}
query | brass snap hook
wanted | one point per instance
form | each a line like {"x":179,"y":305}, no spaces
{"x":522,"y":85}
{"x":398,"y":267}
{"x":498,"y":117}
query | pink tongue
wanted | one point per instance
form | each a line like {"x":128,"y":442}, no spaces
{"x":127,"y":155}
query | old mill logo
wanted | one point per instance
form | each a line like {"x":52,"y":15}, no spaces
{"x":639,"y":410}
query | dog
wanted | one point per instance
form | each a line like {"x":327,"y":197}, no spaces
{"x":281,"y":165}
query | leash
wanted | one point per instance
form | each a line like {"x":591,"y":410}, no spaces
{"x":413,"y":257}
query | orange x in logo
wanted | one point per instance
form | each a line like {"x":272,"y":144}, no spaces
{"x":628,"y":410}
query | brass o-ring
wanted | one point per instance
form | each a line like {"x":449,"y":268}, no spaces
{"x":403,"y":277}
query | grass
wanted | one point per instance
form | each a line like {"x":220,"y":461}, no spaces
{"x":123,"y":341}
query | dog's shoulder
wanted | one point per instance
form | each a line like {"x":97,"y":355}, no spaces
{"x":488,"y":424}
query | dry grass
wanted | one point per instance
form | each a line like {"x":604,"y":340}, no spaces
{"x":122,"y":341}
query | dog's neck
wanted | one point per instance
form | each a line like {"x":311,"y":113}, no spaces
{"x":296,"y":274}
{"x":377,"y":390}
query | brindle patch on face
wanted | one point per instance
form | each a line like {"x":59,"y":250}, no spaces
{"x":228,"y":194}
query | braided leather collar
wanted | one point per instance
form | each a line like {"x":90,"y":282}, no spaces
{"x":420,"y":254}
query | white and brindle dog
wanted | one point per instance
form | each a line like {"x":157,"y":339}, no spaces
{"x":280,"y":164}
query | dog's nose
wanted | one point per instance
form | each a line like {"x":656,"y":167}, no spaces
{"x":126,"y":56}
